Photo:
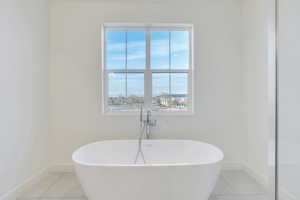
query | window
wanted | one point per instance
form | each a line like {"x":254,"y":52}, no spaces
{"x":148,"y":66}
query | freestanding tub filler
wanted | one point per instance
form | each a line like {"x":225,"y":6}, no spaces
{"x":173,"y":170}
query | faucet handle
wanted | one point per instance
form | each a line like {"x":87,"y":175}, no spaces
{"x":148,"y":116}
{"x":155,"y":122}
{"x":141,"y":114}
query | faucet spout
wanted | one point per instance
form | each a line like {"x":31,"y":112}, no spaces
{"x":145,"y":131}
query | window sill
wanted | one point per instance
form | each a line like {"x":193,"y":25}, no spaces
{"x":154,"y":113}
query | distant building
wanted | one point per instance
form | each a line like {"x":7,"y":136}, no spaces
{"x":163,"y":101}
{"x":175,"y":100}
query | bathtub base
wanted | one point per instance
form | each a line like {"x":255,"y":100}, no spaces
{"x":147,"y":183}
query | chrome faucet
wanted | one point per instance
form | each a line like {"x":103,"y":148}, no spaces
{"x":145,"y":128}
{"x":147,"y":124}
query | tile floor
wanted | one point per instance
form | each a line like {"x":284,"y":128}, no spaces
{"x":232,"y":185}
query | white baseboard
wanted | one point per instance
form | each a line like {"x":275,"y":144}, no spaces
{"x":12,"y":193}
{"x":260,"y":178}
{"x":232,"y":166}
{"x":69,"y":167}
{"x":65,"y":167}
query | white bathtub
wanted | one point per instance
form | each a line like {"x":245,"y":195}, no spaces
{"x":174,"y":170}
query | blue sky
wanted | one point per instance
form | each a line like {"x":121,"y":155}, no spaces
{"x":136,"y":59}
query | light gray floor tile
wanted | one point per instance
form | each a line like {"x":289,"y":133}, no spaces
{"x":232,"y":185}
{"x":213,"y":198}
{"x":38,"y":189}
{"x":66,"y":187}
{"x":241,"y":183}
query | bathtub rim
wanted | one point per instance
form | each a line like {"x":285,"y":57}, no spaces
{"x":182,"y":164}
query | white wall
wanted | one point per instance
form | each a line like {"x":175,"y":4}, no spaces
{"x":24,"y":90}
{"x":289,"y":97}
{"x":256,"y":124}
{"x":230,"y":84}
{"x":75,"y":79}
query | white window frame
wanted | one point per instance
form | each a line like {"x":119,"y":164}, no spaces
{"x":148,"y":71}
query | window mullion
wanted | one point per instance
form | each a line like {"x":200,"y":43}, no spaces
{"x":170,"y":91}
{"x":126,"y":47}
{"x":148,"y":74}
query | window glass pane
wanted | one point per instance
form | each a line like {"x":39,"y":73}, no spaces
{"x":116,"y":85}
{"x":135,"y":90}
{"x":160,"y":84}
{"x":160,"y":91}
{"x":159,"y":49}
{"x":173,"y":98}
{"x":122,"y":99}
{"x":136,"y":49}
{"x":179,"y":49}
{"x":115,"y":49}
{"x":179,"y":91}
{"x":116,"y":91}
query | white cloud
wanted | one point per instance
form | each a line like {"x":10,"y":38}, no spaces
{"x":137,"y":49}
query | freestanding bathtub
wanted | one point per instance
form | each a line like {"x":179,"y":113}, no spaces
{"x":174,"y":170}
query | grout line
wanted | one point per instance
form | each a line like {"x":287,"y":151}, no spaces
{"x":23,"y":196}
{"x":230,"y":184}
{"x":61,"y":175}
